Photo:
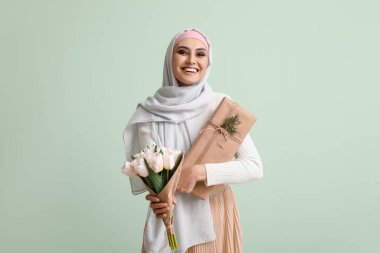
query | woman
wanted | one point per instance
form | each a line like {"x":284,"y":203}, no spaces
{"x":173,"y":117}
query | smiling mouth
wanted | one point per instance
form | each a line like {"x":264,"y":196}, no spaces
{"x":190,"y":70}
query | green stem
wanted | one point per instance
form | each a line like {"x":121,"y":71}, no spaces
{"x":172,"y":241}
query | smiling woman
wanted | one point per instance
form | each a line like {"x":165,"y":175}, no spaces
{"x":173,"y":118}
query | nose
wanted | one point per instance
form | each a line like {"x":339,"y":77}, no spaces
{"x":191,"y":58}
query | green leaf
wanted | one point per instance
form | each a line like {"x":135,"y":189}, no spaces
{"x":148,"y":182}
{"x":156,"y":179}
{"x":230,"y":124}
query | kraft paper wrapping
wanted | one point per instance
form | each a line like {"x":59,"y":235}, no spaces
{"x":215,"y":145}
{"x":167,"y":194}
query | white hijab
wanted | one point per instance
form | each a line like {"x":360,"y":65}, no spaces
{"x":168,"y":111}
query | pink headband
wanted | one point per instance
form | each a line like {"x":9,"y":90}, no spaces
{"x":192,"y":34}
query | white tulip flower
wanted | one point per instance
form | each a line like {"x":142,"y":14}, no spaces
{"x":169,"y":158}
{"x":156,"y":162}
{"x":148,"y":155}
{"x":140,"y":167}
{"x":128,"y":169}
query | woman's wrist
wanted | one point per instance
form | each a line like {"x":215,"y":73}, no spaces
{"x":202,"y":173}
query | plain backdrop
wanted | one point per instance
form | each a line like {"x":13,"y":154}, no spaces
{"x":72,"y":73}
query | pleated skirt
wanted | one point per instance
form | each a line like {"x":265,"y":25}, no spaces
{"x":226,"y":225}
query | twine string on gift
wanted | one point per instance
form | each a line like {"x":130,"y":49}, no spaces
{"x":227,"y":126}
{"x":222,"y":131}
{"x":170,"y":229}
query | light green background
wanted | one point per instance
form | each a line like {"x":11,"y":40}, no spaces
{"x":72,"y":72}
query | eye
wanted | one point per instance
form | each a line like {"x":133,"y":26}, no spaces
{"x":201,"y":54}
{"x":182,"y":51}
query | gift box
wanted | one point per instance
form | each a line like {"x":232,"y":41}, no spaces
{"x":219,"y":140}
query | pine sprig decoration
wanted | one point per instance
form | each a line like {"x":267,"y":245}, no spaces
{"x":230,"y":124}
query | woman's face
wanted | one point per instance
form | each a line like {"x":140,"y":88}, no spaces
{"x":189,"y":62}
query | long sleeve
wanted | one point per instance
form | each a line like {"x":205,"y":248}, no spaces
{"x":247,"y":166}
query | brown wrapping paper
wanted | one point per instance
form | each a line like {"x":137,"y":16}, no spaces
{"x":215,"y":145}
{"x":167,"y":194}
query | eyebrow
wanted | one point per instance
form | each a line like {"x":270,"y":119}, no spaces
{"x":184,"y":47}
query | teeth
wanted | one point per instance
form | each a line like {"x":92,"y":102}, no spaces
{"x":192,"y":70}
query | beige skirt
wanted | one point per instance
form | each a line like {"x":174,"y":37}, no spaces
{"x":226,"y":224}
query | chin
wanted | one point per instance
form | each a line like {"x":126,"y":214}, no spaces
{"x":188,"y":82}
{"x":181,"y":84}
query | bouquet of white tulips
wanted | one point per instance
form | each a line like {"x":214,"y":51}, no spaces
{"x":159,"y":168}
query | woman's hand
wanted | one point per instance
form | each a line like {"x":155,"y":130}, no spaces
{"x":159,"y":208}
{"x":190,"y":176}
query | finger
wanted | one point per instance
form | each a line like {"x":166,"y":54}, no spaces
{"x":152,"y":198}
{"x":174,"y":201}
{"x":184,"y":188}
{"x":161,"y":210}
{"x":161,"y":216}
{"x":158,"y":205}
